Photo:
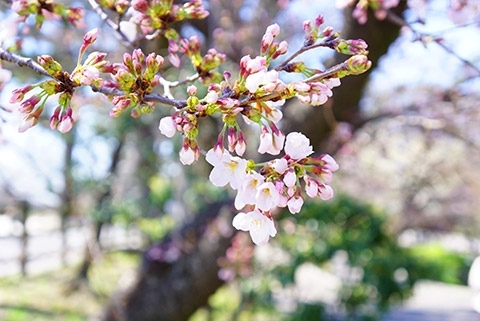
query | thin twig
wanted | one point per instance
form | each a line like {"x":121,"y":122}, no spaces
{"x":419,"y":36}
{"x":108,"y":91}
{"x":116,"y":27}
{"x":330,"y":72}
{"x":299,"y":52}
{"x":171,"y":84}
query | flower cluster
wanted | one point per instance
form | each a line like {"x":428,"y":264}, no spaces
{"x":256,"y":78}
{"x":279,"y":183}
{"x":48,"y":10}
{"x":63,"y":83}
{"x":315,"y":93}
{"x":88,"y":72}
{"x":191,"y":48}
{"x":136,"y":77}
{"x":153,"y":15}
{"x":257,"y":96}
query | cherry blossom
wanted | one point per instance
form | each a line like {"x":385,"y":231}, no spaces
{"x":271,"y":142}
{"x":261,"y":227}
{"x":267,"y":196}
{"x":297,"y":146}
{"x":330,"y":163}
{"x":167,"y":126}
{"x":280,"y":165}
{"x":290,"y":178}
{"x":227,"y":169}
{"x":248,"y":190}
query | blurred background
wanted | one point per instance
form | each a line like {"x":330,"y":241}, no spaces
{"x":103,"y":223}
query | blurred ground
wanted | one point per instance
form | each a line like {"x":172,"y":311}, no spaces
{"x":433,"y":301}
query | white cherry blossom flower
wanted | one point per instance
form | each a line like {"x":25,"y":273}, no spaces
{"x":297,"y":146}
{"x":276,"y":114}
{"x":268,"y":79}
{"x":280,"y":165}
{"x":167,"y":126}
{"x":259,"y":226}
{"x":227,"y":169}
{"x":267,"y":196}
{"x":248,"y":190}
{"x":211,"y":97}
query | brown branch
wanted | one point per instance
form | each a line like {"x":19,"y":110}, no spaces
{"x":22,"y":62}
{"x":108,"y":91}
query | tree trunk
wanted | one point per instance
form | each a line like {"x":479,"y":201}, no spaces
{"x":178,"y":275}
{"x":68,"y":194}
{"x":24,"y":212}
{"x":94,"y":242}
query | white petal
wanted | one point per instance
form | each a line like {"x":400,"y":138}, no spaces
{"x":241,"y":222}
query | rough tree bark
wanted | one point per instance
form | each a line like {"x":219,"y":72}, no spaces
{"x":179,"y":274}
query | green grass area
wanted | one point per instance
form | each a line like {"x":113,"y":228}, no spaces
{"x":47,"y":297}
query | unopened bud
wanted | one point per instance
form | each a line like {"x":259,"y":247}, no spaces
{"x":358,"y":64}
{"x":49,"y":64}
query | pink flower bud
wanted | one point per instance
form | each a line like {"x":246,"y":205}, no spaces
{"x":290,"y":178}
{"x":54,"y":119}
{"x":329,"y":162}
{"x":231,"y":138}
{"x":311,"y":187}
{"x":241,"y":144}
{"x":88,"y":39}
{"x":75,"y":17}
{"x":49,"y":64}
{"x":295,"y":204}
{"x":140,"y":5}
{"x":66,"y":123}
{"x":27,"y":106}
{"x":188,"y":155}
{"x":319,"y":20}
{"x":325,"y":192}
{"x":19,"y":94}
{"x":358,"y":64}
{"x":28,"y":122}
{"x":192,"y":90}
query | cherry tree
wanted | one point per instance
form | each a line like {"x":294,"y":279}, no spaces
{"x":256,"y":90}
